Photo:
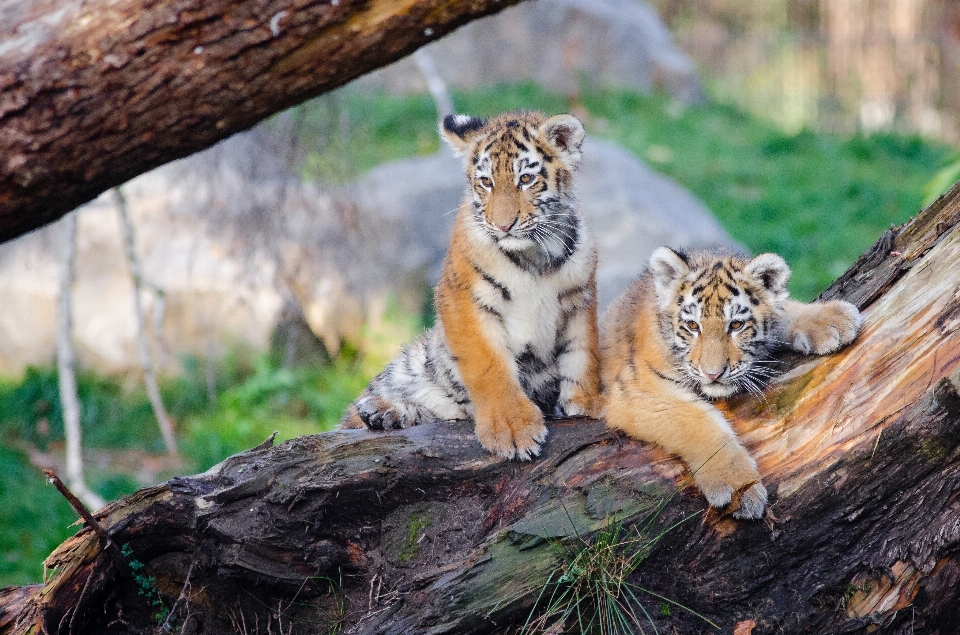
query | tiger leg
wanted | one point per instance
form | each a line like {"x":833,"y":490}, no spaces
{"x":507,"y":422}
{"x":579,"y":361}
{"x":405,"y":394}
{"x":820,"y":327}
{"x":682,"y":424}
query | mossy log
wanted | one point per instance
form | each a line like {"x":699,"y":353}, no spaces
{"x":420,"y":531}
{"x":95,"y":92}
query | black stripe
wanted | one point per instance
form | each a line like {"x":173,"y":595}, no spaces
{"x":732,"y":289}
{"x":566,"y":293}
{"x":664,"y":377}
{"x":504,"y":292}
{"x":487,"y":309}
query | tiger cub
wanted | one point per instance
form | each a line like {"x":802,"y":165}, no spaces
{"x":516,"y":331}
{"x":698,"y":327}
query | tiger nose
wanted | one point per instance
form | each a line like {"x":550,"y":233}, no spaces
{"x":509,"y":225}
{"x":712,"y":376}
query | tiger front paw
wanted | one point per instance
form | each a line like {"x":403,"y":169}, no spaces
{"x":512,"y":431}
{"x":824,"y":327}
{"x":733,"y":471}
{"x":379,"y":414}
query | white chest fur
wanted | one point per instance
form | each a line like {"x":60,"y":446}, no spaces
{"x":523,"y":308}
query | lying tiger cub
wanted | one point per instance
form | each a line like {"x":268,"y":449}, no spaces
{"x":516,"y":333}
{"x":696,"y":327}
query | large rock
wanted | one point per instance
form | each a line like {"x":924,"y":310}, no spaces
{"x":235,"y":239}
{"x":560,"y":45}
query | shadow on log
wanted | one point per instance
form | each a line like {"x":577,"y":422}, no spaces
{"x":420,"y":531}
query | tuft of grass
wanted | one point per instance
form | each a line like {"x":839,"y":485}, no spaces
{"x":591,"y":591}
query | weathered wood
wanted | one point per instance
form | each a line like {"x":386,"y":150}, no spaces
{"x":95,"y":92}
{"x":420,"y":531}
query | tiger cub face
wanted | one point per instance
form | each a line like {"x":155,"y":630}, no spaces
{"x":520,"y":167}
{"x":720,"y":316}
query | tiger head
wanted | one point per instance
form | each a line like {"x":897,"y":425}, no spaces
{"x":720,"y":316}
{"x":520,"y":167}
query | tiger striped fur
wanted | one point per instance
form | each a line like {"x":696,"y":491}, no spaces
{"x":516,"y":332}
{"x":698,"y":327}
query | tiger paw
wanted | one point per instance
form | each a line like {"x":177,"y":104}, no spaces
{"x":727,"y":473}
{"x":824,"y":327}
{"x":510,"y":432}
{"x":380,"y":414}
{"x":753,"y":501}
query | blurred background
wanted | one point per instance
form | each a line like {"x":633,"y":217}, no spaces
{"x":263,"y":282}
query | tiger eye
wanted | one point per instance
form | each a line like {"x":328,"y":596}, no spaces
{"x":485,"y":182}
{"x":692,"y":326}
{"x":526,"y":178}
{"x":736,"y":325}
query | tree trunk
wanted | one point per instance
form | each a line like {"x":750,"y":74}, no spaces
{"x":95,"y":92}
{"x":146,"y":358}
{"x":66,"y":378}
{"x":421,"y":531}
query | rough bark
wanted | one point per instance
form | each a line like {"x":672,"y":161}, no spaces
{"x":420,"y":531}
{"x":95,"y":92}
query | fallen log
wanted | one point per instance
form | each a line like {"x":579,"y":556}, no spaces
{"x":95,"y":92}
{"x":420,"y":531}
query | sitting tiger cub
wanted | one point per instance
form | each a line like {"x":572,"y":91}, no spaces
{"x":698,"y":327}
{"x":516,"y":331}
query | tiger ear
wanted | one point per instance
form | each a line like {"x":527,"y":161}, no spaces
{"x":566,"y":133}
{"x":667,"y":267}
{"x":459,"y":131}
{"x":771,"y":271}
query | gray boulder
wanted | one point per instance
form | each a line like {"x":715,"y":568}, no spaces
{"x":558,"y":44}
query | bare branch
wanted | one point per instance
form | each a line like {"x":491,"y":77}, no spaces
{"x":146,"y":359}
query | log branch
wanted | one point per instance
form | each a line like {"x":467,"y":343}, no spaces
{"x":95,"y":92}
{"x":420,"y":531}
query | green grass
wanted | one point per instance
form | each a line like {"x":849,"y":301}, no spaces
{"x":292,"y":401}
{"x":591,"y":592}
{"x":818,"y":200}
{"x":251,"y":399}
{"x":33,"y":516}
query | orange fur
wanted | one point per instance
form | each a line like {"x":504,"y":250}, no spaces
{"x":504,"y":416}
{"x":696,"y":327}
{"x":516,"y":304}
